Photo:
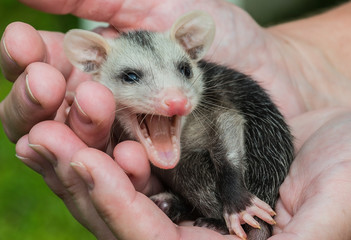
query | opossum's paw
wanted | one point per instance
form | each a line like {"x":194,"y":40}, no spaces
{"x":214,"y":224}
{"x":173,"y":206}
{"x":258,"y":208}
{"x":163,"y":201}
{"x":262,"y":233}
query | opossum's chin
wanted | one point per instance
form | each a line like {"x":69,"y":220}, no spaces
{"x":160,"y":136}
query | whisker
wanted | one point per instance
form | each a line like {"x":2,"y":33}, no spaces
{"x":199,"y":116}
{"x":142,"y":120}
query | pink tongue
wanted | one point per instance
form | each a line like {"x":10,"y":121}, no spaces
{"x":162,"y":151}
{"x":159,"y":131}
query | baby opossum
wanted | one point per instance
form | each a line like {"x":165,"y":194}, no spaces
{"x":212,"y":134}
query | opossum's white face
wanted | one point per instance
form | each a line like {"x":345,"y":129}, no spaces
{"x":153,"y":76}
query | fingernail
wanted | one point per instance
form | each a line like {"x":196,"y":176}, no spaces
{"x":30,"y":93}
{"x":273,"y":213}
{"x":82,"y":115}
{"x":82,"y":171}
{"x":44,"y":153}
{"x":31,"y":164}
{"x":7,"y":52}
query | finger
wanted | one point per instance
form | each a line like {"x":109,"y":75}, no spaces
{"x":130,"y":214}
{"x":17,"y":51}
{"x":131,"y":157}
{"x":17,"y":54}
{"x":39,"y":164}
{"x":29,"y":157}
{"x":44,"y":167}
{"x":120,"y":210}
{"x":35,"y":96}
{"x":122,"y":14}
{"x":92,"y":114}
{"x":56,"y":143}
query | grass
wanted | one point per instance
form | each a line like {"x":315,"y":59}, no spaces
{"x":28,"y":209}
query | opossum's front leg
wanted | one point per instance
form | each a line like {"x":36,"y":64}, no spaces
{"x":228,"y":156}
{"x":239,"y":205}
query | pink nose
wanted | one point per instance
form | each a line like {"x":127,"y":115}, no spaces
{"x":175,"y":103}
{"x":177,"y":106}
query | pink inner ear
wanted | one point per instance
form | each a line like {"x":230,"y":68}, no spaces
{"x":195,"y":32}
{"x":85,"y":50}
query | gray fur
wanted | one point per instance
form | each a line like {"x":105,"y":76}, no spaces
{"x":141,"y":38}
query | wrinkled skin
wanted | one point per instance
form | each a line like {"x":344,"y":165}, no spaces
{"x":307,"y":78}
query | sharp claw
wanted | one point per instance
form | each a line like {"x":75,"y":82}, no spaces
{"x":263,"y":205}
{"x":260,"y":213}
{"x":258,"y":208}
{"x":234,"y":225}
{"x":242,"y":235}
{"x":250,"y":220}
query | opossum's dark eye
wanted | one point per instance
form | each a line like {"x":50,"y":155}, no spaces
{"x":185,"y":69}
{"x":130,"y":77}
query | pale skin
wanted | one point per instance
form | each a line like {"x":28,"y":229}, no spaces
{"x":303,"y":65}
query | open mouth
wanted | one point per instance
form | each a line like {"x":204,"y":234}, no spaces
{"x":160,"y":136}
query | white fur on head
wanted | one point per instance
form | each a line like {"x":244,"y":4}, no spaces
{"x":86,"y":50}
{"x":195,"y":31}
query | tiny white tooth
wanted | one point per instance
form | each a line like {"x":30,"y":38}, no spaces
{"x":156,"y":155}
{"x":145,"y":133}
{"x":148,"y":140}
{"x":172,"y":130}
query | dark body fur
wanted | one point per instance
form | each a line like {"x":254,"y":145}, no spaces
{"x":235,"y":145}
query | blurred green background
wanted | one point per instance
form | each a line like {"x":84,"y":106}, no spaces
{"x":28,"y":209}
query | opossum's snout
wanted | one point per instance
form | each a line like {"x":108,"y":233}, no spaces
{"x":174,"y":102}
{"x":159,"y":131}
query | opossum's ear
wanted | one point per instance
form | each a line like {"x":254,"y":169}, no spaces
{"x":195,"y":31}
{"x":86,"y":50}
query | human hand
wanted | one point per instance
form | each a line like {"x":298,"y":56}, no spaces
{"x":39,"y":94}
{"x":111,"y":201}
{"x":315,"y":195}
